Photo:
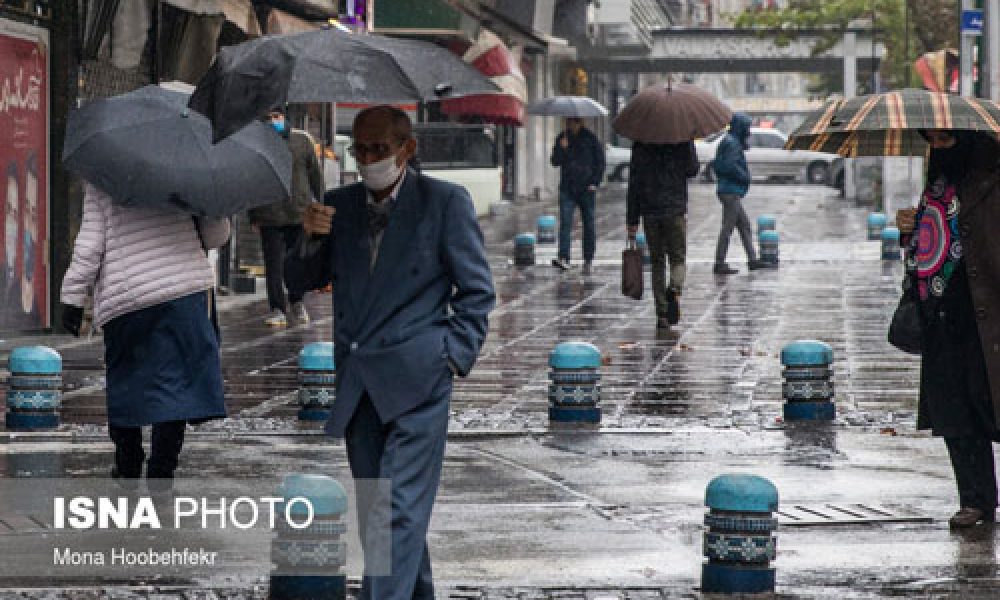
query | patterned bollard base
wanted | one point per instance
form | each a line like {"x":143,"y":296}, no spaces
{"x":734,"y":579}
{"x":313,"y":414}
{"x":31,"y":421}
{"x":308,"y":587}
{"x":809,"y":411}
{"x":563,"y":414}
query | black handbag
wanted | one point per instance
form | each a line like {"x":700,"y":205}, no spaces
{"x":905,"y":329}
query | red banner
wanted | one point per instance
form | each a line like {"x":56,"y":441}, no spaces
{"x":24,"y":160}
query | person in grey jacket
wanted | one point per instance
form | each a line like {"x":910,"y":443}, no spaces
{"x":152,"y":283}
{"x":733,"y":177}
{"x":657,"y":192}
{"x":280,"y":222}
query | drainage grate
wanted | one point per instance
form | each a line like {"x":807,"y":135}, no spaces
{"x":798,"y":515}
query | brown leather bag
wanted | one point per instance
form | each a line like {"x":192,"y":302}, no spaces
{"x":632,"y":271}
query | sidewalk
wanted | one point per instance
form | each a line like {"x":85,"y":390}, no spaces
{"x":525,"y":512}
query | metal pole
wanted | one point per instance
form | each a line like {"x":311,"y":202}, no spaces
{"x":990,"y":73}
{"x":874,"y":60}
{"x":850,"y":91}
{"x":967,"y":44}
{"x":906,"y":43}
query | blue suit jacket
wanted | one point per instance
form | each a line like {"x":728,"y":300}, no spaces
{"x":425,"y":304}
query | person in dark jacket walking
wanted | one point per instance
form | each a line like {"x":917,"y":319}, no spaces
{"x":280,"y":222}
{"x":733,"y":177}
{"x":579,"y":155}
{"x":658,"y":194}
{"x":952,"y":271}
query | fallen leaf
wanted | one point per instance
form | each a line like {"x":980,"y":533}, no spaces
{"x":745,"y":352}
{"x":606,"y":359}
{"x":887,"y":431}
{"x":684,"y":347}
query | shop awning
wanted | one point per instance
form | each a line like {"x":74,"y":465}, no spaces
{"x":238,"y":12}
{"x":495,"y":60}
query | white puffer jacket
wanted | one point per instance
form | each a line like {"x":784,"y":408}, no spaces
{"x":137,"y":257}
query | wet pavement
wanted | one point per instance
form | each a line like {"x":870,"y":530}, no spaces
{"x":527,"y":512}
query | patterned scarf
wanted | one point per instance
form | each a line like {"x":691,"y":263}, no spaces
{"x":936,"y":248}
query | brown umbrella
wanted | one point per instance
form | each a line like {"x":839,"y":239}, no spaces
{"x":672,"y":113}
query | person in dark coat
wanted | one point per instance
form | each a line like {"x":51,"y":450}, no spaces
{"x":657,"y":193}
{"x":580,"y":157}
{"x":733,"y":176}
{"x":951,"y":266}
{"x":280,"y":222}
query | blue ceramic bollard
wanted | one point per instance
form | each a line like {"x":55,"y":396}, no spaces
{"x":310,"y":562}
{"x":768,"y":242}
{"x":34,"y":391}
{"x":546,"y":229}
{"x":524,"y":250}
{"x":574,"y":394}
{"x":890,"y":244}
{"x":317,"y":378}
{"x":739,"y":541}
{"x":876,"y":223}
{"x":808,"y":386}
{"x":766,"y":223}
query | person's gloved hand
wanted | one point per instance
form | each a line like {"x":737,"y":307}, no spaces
{"x":72,"y":318}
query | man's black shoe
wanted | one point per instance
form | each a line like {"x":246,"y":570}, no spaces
{"x":724,"y":270}
{"x":753,"y":265}
{"x":560,"y":263}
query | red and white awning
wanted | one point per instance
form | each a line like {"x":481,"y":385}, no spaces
{"x":502,"y":65}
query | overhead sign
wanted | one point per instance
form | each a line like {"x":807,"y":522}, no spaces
{"x":972,"y":22}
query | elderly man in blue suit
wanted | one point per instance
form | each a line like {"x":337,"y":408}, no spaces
{"x":411,"y":292}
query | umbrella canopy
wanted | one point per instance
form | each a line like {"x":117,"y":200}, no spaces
{"x":248,"y":79}
{"x":888,"y":124}
{"x":567,"y":106}
{"x":148,"y":147}
{"x":854,"y":144}
{"x":915,"y":109}
{"x":671,"y":114}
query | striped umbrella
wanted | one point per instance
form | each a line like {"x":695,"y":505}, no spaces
{"x":863,"y":143}
{"x":888,"y":124}
{"x":916,"y":109}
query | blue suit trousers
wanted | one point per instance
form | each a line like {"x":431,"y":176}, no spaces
{"x":408,"y":452}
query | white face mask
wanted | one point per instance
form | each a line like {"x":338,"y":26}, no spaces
{"x":10,"y":230}
{"x":380,"y":175}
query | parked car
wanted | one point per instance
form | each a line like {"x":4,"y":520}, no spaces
{"x":617,"y":160}
{"x":768,"y":159}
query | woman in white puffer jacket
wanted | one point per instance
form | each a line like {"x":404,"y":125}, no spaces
{"x":152,"y":286}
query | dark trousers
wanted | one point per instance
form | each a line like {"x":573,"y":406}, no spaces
{"x":407,"y":453}
{"x":667,"y":239}
{"x":276,"y":242}
{"x":587,"y":201}
{"x":972,"y":461}
{"x":164,"y":448}
{"x":734,"y":217}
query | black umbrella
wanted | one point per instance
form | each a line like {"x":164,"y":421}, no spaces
{"x":327,"y":65}
{"x":148,"y":147}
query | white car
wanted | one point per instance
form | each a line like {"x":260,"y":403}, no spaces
{"x":768,"y":159}
{"x":616,"y":160}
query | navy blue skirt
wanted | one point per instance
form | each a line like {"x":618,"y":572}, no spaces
{"x":163,"y":364}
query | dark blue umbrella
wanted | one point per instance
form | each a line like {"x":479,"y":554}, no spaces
{"x":148,"y":147}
